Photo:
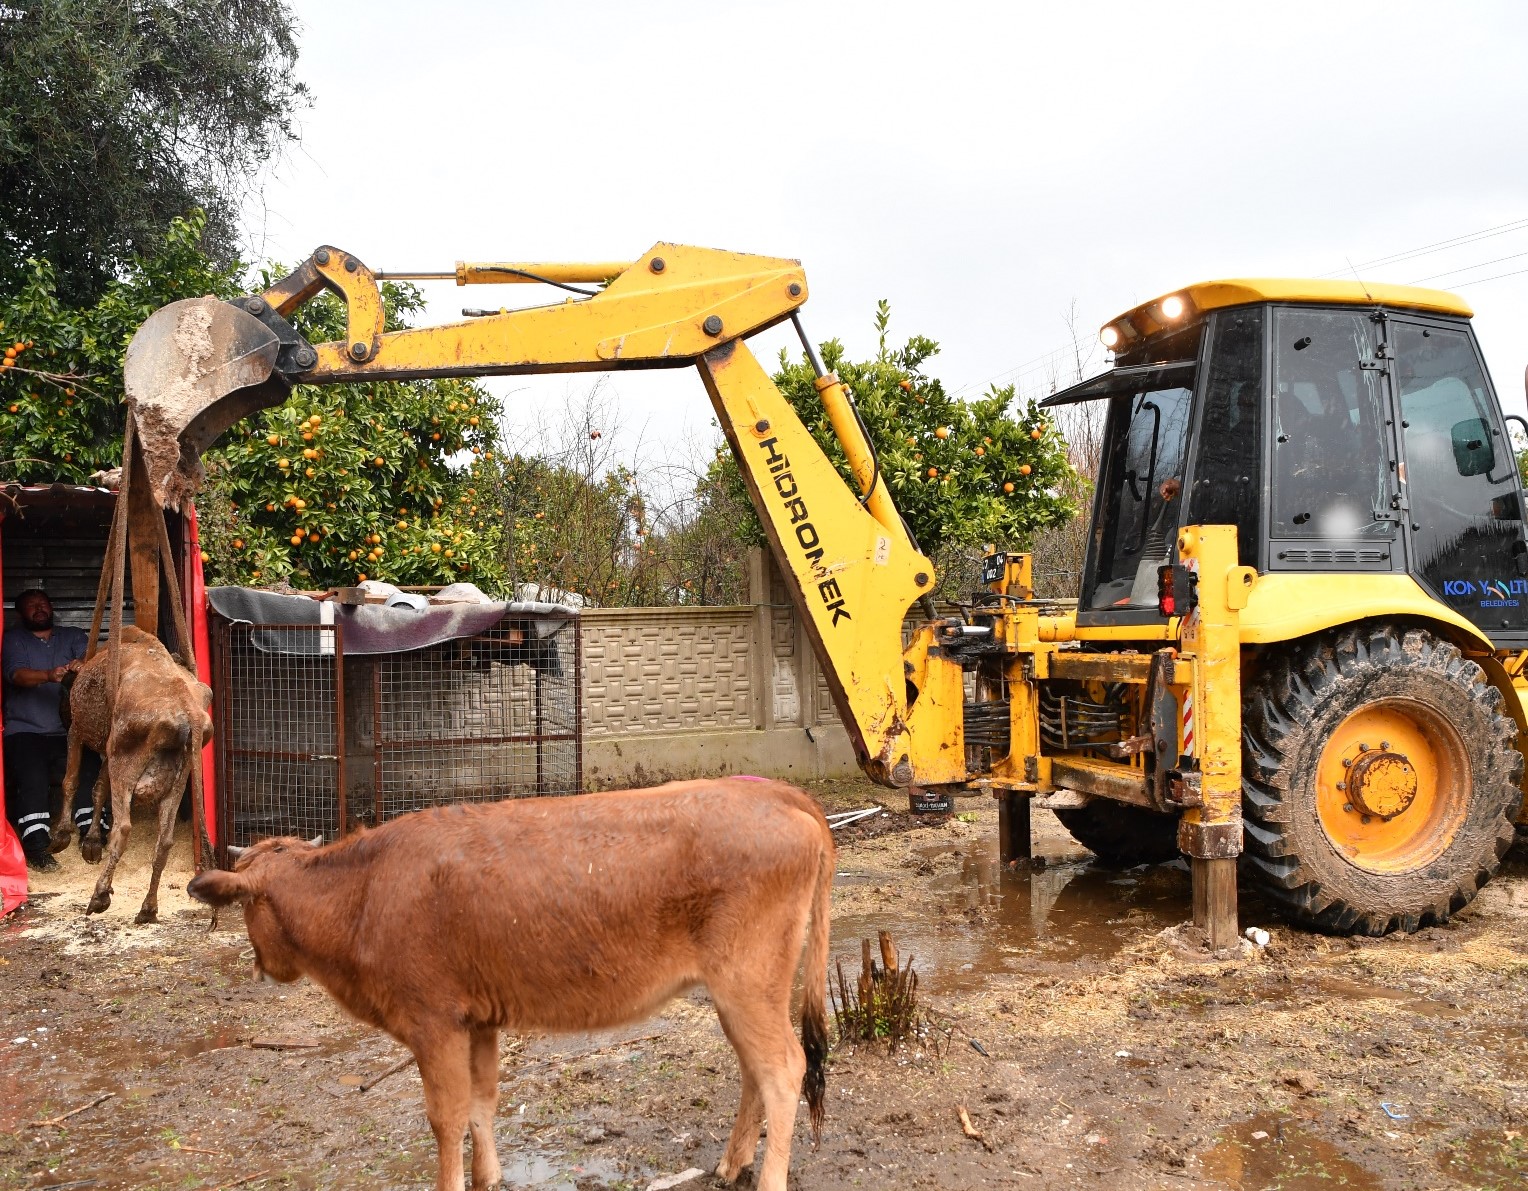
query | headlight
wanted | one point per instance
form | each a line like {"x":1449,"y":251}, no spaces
{"x":1173,"y":307}
{"x":1110,"y":336}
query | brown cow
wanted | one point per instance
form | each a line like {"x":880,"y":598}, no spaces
{"x":148,"y":737}
{"x":562,"y":914}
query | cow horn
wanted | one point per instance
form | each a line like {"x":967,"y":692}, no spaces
{"x":234,"y":851}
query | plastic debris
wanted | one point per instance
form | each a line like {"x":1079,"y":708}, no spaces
{"x":1259,"y":937}
{"x":844,"y":818}
{"x":979,"y":1049}
{"x":675,"y":1180}
{"x":1393,"y":1111}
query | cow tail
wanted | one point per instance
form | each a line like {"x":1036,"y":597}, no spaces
{"x":814,"y":1020}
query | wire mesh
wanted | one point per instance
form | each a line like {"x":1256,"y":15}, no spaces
{"x":478,"y":719}
{"x":278,"y":735}
{"x":312,"y":742}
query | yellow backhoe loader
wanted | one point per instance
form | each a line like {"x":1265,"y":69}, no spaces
{"x":1301,"y":633}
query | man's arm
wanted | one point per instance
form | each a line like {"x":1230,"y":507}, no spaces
{"x":24,"y":678}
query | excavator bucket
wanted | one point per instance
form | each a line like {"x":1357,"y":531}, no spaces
{"x":193,"y":369}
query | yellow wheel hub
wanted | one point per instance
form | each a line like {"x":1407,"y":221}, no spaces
{"x":1382,"y":783}
{"x":1392,"y":785}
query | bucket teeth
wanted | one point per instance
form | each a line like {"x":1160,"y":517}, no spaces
{"x":193,"y":369}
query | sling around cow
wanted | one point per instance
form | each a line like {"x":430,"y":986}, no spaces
{"x":563,"y":914}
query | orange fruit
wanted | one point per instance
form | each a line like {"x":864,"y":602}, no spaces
{"x":313,"y":537}
{"x":283,"y":463}
{"x":933,"y":471}
{"x":299,"y":503}
{"x":435,"y":437}
{"x":1008,"y":487}
{"x":377,"y":462}
{"x":273,"y":439}
{"x":315,"y":419}
{"x":297,"y":539}
{"x":353,"y":555}
{"x":206,"y":557}
{"x":981,"y":450}
{"x":403,"y":525}
{"x":361,"y":578}
{"x":10,"y":353}
{"x":270,"y":508}
{"x":238,"y":543}
{"x":942,"y":432}
{"x":1024,"y":469}
{"x":307,"y":436}
{"x":905,"y":385}
{"x":309,"y":472}
{"x":450,"y":553}
{"x":309,"y":453}
{"x":434,"y":547}
{"x":15,"y":409}
{"x":472,"y":421}
{"x":1036,"y":433}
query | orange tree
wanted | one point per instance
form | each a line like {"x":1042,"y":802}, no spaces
{"x":962,"y":473}
{"x":384,"y":480}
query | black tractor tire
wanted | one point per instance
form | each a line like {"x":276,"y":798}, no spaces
{"x":1314,"y":846}
{"x":1122,"y":835}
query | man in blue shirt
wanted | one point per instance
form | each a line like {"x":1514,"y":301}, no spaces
{"x":35,"y":656}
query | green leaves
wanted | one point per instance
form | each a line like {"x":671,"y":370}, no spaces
{"x":117,"y":117}
{"x":962,"y":473}
{"x":379,"y":479}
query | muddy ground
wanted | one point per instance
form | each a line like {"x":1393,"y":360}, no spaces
{"x":1091,"y":1044}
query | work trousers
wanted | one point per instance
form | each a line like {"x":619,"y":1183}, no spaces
{"x":33,"y":762}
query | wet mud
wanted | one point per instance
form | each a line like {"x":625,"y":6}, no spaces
{"x":1091,"y":1042}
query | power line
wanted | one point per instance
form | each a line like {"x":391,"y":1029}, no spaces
{"x":1046,"y":361}
{"x":1498,"y":277}
{"x":1467,"y":268}
{"x":1486,"y":233}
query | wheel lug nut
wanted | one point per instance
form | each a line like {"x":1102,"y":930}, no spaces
{"x":1347,"y":762}
{"x":1384,"y":744}
{"x":1366,"y":818}
{"x":1347,"y":806}
{"x":1342,"y":785}
{"x":1363,"y":748}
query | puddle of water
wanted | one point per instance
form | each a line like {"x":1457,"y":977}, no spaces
{"x":995,"y":918}
{"x":1487,"y":1158}
{"x":556,"y":1172}
{"x":1268,"y":1152}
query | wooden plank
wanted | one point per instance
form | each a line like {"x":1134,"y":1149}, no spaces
{"x":1215,"y":910}
{"x":143,"y":547}
{"x":1014,"y":841}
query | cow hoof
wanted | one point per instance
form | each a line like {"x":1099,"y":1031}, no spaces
{"x":60,"y":841}
{"x":146,"y":915}
{"x":99,"y":904}
{"x":91,"y":851}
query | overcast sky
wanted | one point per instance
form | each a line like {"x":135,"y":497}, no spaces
{"x":981,"y":166}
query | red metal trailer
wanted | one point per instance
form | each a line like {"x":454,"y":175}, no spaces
{"x":54,"y":536}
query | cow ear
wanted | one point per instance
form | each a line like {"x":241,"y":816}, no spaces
{"x":216,"y":887}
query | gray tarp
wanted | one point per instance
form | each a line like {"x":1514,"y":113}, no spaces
{"x":375,"y":629}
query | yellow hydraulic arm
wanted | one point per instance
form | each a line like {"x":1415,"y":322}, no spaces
{"x":196,"y":367}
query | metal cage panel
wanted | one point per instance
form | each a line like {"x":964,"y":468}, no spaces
{"x":311,"y":741}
